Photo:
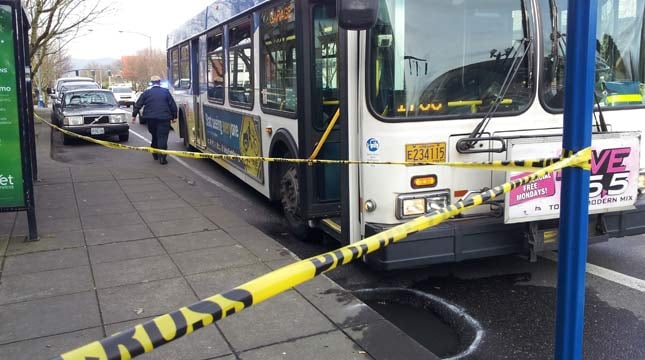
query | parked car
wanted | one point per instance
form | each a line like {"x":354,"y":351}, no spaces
{"x":71,"y":85}
{"x":55,"y":91}
{"x":124,"y":95}
{"x":92,"y":112}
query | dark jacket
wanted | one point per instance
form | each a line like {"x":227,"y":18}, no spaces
{"x":158,"y":103}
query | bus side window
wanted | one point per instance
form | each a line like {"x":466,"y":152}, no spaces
{"x":278,"y":58}
{"x":183,"y":82}
{"x":215,"y":70}
{"x":384,"y":71}
{"x":241,"y":64}
{"x":174,"y":66}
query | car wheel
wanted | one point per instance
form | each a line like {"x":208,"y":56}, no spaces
{"x":124,"y":137}
{"x":290,"y":200}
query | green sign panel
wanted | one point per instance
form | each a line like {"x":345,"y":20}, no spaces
{"x":11,"y":191}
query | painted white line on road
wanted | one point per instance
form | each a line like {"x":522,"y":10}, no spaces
{"x":195,"y":171}
{"x":611,"y":275}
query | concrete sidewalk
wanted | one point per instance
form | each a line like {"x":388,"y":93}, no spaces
{"x":124,"y":240}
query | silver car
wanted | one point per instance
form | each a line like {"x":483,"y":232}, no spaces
{"x":92,"y":112}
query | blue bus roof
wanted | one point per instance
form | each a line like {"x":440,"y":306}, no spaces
{"x":214,"y":14}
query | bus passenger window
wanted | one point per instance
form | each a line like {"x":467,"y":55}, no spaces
{"x":174,"y":65}
{"x":278,"y":58}
{"x":241,"y":65}
{"x":183,"y":81}
{"x":215,"y":68}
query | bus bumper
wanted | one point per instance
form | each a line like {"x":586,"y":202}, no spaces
{"x":465,"y":239}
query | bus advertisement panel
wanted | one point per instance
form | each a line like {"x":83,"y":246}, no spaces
{"x":613,"y":184}
{"x":233,"y":133}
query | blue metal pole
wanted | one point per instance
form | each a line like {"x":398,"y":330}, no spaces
{"x":574,"y":218}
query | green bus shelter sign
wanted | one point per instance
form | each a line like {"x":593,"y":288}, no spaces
{"x":11,"y":177}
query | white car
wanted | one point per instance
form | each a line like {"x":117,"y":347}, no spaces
{"x":124,"y":95}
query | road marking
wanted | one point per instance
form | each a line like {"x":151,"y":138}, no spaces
{"x":197,"y":172}
{"x":611,"y":275}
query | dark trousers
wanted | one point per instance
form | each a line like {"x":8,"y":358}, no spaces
{"x":159,"y":130}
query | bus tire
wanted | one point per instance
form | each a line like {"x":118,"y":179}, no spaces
{"x":290,"y":200}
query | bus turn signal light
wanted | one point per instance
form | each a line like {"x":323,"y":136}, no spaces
{"x":424,"y":181}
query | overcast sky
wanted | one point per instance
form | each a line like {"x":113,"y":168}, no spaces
{"x":155,"y":18}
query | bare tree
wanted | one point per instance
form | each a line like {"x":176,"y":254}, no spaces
{"x":54,"y":23}
{"x":52,"y":67}
{"x":140,"y":67}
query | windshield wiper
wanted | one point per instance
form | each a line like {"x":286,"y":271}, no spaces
{"x":465,"y":144}
{"x":559,"y":46}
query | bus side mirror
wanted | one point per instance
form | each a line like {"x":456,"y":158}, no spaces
{"x":357,"y":14}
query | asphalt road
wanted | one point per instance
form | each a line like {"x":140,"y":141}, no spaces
{"x":512,"y":299}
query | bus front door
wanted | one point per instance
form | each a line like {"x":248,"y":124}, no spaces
{"x":320,"y":188}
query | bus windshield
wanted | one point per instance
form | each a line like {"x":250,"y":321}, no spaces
{"x":443,"y":59}
{"x":620,"y":53}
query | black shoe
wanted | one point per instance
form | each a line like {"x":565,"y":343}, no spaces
{"x":155,"y":156}
{"x":162,"y":160}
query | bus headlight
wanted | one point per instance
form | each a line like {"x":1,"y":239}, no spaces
{"x":416,"y":204}
{"x":73,"y":120}
{"x":412,"y":207}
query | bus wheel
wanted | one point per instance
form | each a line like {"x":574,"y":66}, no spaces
{"x":290,"y":200}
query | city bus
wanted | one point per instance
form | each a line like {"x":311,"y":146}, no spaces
{"x":412,"y":81}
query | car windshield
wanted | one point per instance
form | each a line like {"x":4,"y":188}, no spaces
{"x":89,"y":98}
{"x":620,"y":53}
{"x":121,"y":90}
{"x":440,"y":58}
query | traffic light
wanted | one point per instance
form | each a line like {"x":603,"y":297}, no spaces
{"x":109,"y":72}
{"x":93,"y":72}
{"x":77,"y":72}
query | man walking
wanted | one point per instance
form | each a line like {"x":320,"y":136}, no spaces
{"x":159,"y":109}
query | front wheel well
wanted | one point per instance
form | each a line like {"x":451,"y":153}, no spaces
{"x":282,"y":146}
{"x":279,"y":150}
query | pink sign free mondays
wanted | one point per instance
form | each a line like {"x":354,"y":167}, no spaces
{"x":541,"y":188}
{"x":613,"y":185}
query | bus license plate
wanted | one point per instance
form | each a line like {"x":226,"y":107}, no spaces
{"x":97,"y":131}
{"x":429,"y":152}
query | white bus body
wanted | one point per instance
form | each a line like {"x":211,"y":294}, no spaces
{"x":411,"y":88}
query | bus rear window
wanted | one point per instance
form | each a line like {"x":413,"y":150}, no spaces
{"x":443,"y":64}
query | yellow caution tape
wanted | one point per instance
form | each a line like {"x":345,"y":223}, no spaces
{"x":498,"y":165}
{"x":166,"y":328}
